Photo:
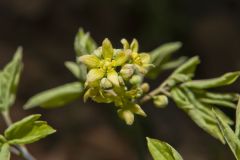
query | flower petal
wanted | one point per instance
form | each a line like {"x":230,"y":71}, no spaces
{"x":113,"y":77}
{"x":145,"y":58}
{"x":141,"y":69}
{"x":107,"y":49}
{"x":91,"y":61}
{"x":134,"y":45}
{"x":125,"y":43}
{"x":94,"y":75}
{"x":122,"y":57}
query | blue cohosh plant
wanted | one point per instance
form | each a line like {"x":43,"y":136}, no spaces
{"x":116,"y":75}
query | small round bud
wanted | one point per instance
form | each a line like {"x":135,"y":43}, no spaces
{"x":160,"y":101}
{"x":126,"y":115}
{"x":105,"y":84}
{"x":145,"y":87}
{"x":127,"y":71}
{"x":136,"y":79}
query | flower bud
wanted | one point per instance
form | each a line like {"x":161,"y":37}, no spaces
{"x":121,"y":81}
{"x":138,"y":110}
{"x":160,"y":101}
{"x":127,"y":71}
{"x":126,"y":115}
{"x":136,"y":79}
{"x":145,"y":87}
{"x":105,"y":84}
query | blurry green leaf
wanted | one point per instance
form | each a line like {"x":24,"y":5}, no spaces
{"x":206,"y":123}
{"x":177,"y":78}
{"x":237,"y":127}
{"x":74,"y":68}
{"x":83,"y":72}
{"x":230,"y":137}
{"x":162,"y":151}
{"x":189,"y":67}
{"x":171,"y":64}
{"x":183,"y":73}
{"x":164,"y":51}
{"x":221,"y":114}
{"x":217,"y":96}
{"x":28,"y":130}
{"x":201,"y":114}
{"x":9,"y":79}
{"x":224,"y":80}
{"x":218,"y":102}
{"x":181,"y":99}
{"x":174,"y":63}
{"x":161,"y":58}
{"x":84,"y":44}
{"x":5,"y":152}
{"x":56,"y":97}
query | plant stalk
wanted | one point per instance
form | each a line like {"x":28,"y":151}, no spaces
{"x":20,"y":150}
{"x":158,"y":90}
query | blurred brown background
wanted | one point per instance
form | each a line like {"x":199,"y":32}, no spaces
{"x":46,"y":30}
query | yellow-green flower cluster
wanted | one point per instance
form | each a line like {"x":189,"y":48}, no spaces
{"x":116,"y":76}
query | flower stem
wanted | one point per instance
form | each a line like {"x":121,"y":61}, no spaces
{"x":20,"y":150}
{"x":161,"y":89}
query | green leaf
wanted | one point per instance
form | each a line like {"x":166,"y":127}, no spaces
{"x":223,"y":80}
{"x":200,"y":113}
{"x":74,"y":68}
{"x":188,"y":67}
{"x":174,"y":63}
{"x":218,"y":102}
{"x":227,"y":119}
{"x":161,"y":58}
{"x":5,"y":152}
{"x":56,"y":97}
{"x":237,"y":127}
{"x":181,"y":99}
{"x":28,"y":130}
{"x":217,"y":96}
{"x":230,"y":137}
{"x":164,"y":51}
{"x":162,"y":151}
{"x":84,"y":43}
{"x":183,"y":73}
{"x":83,"y":72}
{"x":9,"y":79}
{"x":177,"y":78}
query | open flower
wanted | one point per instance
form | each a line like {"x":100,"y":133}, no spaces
{"x":104,"y":64}
{"x":140,"y":60}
